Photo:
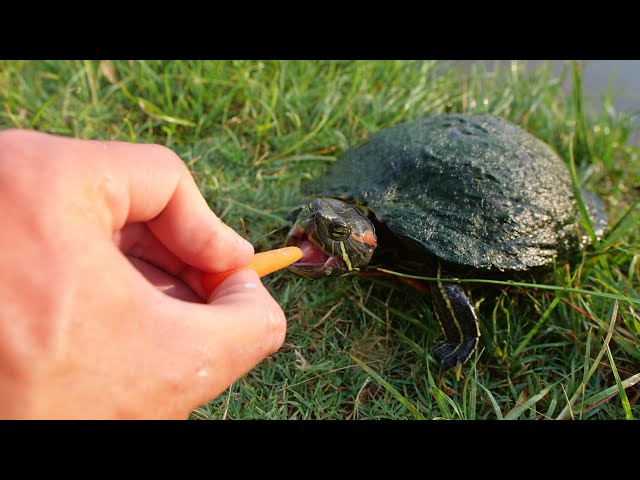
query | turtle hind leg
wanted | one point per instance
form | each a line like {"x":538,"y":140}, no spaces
{"x":458,"y":322}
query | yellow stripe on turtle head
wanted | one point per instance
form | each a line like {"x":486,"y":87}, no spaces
{"x":345,"y":257}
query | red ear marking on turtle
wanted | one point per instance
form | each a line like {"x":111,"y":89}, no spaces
{"x":369,"y":238}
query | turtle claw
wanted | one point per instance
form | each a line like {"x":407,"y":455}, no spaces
{"x":458,"y":371}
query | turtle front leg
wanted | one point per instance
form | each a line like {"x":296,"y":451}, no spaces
{"x":458,"y":322}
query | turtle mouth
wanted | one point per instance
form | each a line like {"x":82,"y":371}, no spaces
{"x":315,"y":263}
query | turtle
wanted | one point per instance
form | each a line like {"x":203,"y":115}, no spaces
{"x":447,"y":197}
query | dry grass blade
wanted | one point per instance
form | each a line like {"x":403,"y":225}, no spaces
{"x":599,"y":398}
{"x":108,"y":69}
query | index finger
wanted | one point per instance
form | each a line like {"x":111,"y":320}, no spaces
{"x":150,"y":183}
{"x":162,"y":193}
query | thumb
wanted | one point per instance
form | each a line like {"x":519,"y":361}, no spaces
{"x":216,"y":343}
{"x":246,"y":309}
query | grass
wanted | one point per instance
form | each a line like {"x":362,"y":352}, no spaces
{"x":564,"y":346}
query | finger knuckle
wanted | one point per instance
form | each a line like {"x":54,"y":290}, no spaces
{"x":25,"y":156}
{"x":171,"y":158}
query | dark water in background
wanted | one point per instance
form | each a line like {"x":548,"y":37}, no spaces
{"x":599,"y":76}
{"x":622,"y":77}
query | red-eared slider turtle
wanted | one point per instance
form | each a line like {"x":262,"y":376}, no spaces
{"x":447,"y":196}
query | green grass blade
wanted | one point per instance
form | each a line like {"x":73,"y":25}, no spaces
{"x":610,"y":231}
{"x":585,"y":367}
{"x":577,"y":191}
{"x":154,"y":111}
{"x":414,"y":411}
{"x":621,"y":389}
{"x":470,"y":391}
{"x":494,"y":403}
{"x":523,"y":344}
{"x":510,"y":283}
{"x":577,"y":100}
{"x":528,"y":404}
{"x":441,"y":398}
{"x":552,"y":407}
{"x":263,"y":213}
{"x":44,"y":106}
{"x":594,"y":365}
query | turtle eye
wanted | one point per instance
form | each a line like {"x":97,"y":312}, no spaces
{"x":338,"y":231}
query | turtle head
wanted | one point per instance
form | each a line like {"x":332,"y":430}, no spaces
{"x":335,"y":238}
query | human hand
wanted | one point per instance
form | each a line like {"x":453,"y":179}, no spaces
{"x":86,"y":332}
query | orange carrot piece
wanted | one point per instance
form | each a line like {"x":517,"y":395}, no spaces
{"x":262,"y":263}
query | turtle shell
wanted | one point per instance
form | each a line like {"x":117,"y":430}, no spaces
{"x":472,"y":190}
